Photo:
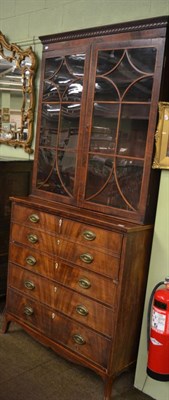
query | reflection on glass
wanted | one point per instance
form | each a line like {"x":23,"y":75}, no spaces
{"x":143,"y":58}
{"x":74,"y":91}
{"x":49,"y":125}
{"x":133,"y":130}
{"x":123,"y":68}
{"x":129,"y":175}
{"x":105,"y":90}
{"x":50,"y":91}
{"x":140,"y":91}
{"x":107,"y":60}
{"x":62,"y":93}
{"x":51,"y":66}
{"x":104,"y":127}
{"x":124,"y":75}
{"x":69,"y":125}
{"x":62,"y":78}
{"x":115,"y":181}
{"x":66,"y":167}
{"x":47,"y":175}
{"x":75,"y":64}
{"x":51,"y":112}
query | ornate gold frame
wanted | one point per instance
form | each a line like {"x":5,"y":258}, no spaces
{"x":161,"y":159}
{"x":18,"y":56}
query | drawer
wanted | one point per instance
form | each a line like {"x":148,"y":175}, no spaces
{"x":69,"y":229}
{"x":90,"y":258}
{"x":35,"y":218}
{"x":39,"y":240}
{"x":82,"y":280}
{"x":71,"y":335}
{"x":68,"y":302}
{"x":91,"y":236}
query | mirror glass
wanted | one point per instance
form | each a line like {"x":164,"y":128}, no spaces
{"x":17,"y":70}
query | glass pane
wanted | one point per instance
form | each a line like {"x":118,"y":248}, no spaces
{"x":99,"y":170}
{"x":69,"y":125}
{"x":49,"y":125}
{"x":119,"y":183}
{"x":129,"y":174}
{"x":107,"y":60}
{"x":101,"y":186}
{"x":74,"y":91}
{"x":47,"y":175}
{"x":51,"y":66}
{"x":133,"y":130}
{"x":63,"y":78}
{"x":51,"y":112}
{"x":143,"y":58}
{"x":75,"y":64}
{"x":104,"y":126}
{"x":124,"y":75}
{"x":140,"y":91}
{"x":66,"y":168}
{"x":105,"y":91}
{"x":50,"y":92}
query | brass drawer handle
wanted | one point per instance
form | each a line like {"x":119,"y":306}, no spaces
{"x":82,"y":310}
{"x":30,"y":260}
{"x":78,"y":339}
{"x":89,"y":235}
{"x":28,"y":310}
{"x":32,"y":238}
{"x":87,"y":258}
{"x":84,"y":283}
{"x":29,"y":285}
{"x":34,"y":218}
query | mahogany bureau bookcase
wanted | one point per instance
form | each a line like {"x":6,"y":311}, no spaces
{"x":80,"y":243}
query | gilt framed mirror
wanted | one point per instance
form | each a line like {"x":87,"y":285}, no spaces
{"x":17,"y":71}
{"x":161,"y":158}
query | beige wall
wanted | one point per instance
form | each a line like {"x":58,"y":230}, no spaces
{"x":159,"y":269}
{"x":22,"y":22}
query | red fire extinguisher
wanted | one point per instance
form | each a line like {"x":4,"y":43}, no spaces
{"x":158,"y":333}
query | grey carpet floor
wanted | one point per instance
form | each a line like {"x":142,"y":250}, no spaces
{"x":30,"y":371}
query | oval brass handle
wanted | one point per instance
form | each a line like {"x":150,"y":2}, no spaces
{"x":87,"y":258}
{"x":78,"y":339}
{"x":84,"y":283}
{"x":34,"y":218}
{"x":30,"y":260}
{"x":29,"y":285}
{"x":82,"y":310}
{"x":32,"y":238}
{"x":28,"y":310}
{"x":89,"y":235}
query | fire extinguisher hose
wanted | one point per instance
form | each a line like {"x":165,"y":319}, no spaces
{"x":149,"y":310}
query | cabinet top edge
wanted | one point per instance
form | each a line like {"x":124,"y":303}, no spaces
{"x":64,"y":211}
{"x":130,"y":26}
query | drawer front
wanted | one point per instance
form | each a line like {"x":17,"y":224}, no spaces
{"x":32,"y":260}
{"x":91,"y":236}
{"x":76,"y":278}
{"x":74,"y":305}
{"x":72,"y":335}
{"x":72,"y":230}
{"x":39,"y":240}
{"x":35,"y":218}
{"x":83,"y":256}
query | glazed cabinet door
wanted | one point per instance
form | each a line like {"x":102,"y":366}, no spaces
{"x":61,"y":121}
{"x":125,"y":78}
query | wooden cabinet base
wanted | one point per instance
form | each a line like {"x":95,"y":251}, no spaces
{"x":82,"y":298}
